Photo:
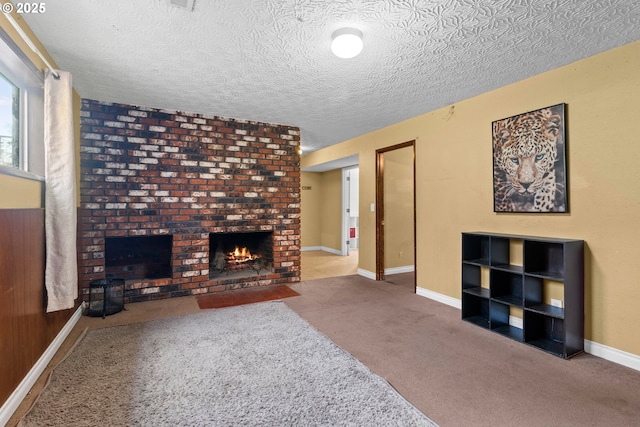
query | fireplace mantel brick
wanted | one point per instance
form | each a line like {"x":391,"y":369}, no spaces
{"x":147,"y":172}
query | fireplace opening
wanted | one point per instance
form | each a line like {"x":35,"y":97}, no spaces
{"x":240,"y":254}
{"x":139,"y":257}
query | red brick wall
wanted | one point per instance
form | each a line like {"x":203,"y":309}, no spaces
{"x":146,"y":171}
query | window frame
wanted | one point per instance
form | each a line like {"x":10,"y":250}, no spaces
{"x":22,"y":72}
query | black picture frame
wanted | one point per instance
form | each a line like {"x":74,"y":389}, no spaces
{"x":529,"y":162}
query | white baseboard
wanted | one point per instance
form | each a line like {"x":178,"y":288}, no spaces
{"x":18,"y":395}
{"x":620,"y":357}
{"x":321,"y":248}
{"x":516,"y":322}
{"x":398,"y":270}
{"x":332,"y":251}
{"x":450,"y":301}
{"x":611,"y":354}
{"x":388,"y":271}
{"x":367,"y":274}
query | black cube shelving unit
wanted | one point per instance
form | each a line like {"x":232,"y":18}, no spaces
{"x":546,"y":262}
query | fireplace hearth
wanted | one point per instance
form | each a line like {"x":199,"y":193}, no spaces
{"x":167,"y":196}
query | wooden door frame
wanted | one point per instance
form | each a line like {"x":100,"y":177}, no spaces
{"x":380,"y":205}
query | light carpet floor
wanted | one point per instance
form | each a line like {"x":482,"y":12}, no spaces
{"x":252,"y":365}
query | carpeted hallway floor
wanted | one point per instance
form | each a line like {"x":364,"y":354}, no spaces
{"x":455,"y":373}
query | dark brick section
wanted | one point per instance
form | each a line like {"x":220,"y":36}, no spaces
{"x":150,"y":172}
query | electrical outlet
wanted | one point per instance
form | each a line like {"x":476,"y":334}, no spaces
{"x":556,"y":302}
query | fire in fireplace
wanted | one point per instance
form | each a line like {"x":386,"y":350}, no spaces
{"x":240,"y":254}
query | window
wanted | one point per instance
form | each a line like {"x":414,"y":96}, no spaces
{"x":9,"y":123}
{"x":21,"y":113}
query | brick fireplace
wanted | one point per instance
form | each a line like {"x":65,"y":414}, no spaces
{"x":167,"y":196}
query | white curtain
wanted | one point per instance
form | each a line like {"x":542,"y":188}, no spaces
{"x":61,"y":272}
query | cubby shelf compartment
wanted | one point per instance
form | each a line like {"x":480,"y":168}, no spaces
{"x":506,"y":287}
{"x":544,"y":259}
{"x":551,"y":268}
{"x":534,"y":298}
{"x":499,"y":314}
{"x":546,"y":333}
{"x":472,"y":280}
{"x":475,"y":310}
{"x":476,"y":250}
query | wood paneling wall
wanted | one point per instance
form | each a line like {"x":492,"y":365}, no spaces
{"x":26,"y":330}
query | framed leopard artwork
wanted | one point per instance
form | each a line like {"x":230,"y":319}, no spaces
{"x":529,"y":166}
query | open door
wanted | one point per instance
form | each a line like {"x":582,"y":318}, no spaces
{"x":395,"y":209}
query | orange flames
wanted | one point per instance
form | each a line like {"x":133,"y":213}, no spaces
{"x":240,"y":255}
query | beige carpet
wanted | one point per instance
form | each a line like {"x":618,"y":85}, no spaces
{"x":250,"y":365}
{"x":459,"y":374}
{"x":454,"y":372}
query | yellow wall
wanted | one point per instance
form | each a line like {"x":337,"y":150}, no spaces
{"x":321,"y":208}
{"x":331,"y":210}
{"x":310,"y":204}
{"x":398,"y":208}
{"x":20,"y":192}
{"x":454,"y":183}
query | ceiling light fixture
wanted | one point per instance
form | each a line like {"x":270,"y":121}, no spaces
{"x":347,"y":43}
{"x":183,"y":4}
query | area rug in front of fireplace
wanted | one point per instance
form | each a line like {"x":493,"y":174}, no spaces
{"x":252,"y":365}
{"x":245,"y":296}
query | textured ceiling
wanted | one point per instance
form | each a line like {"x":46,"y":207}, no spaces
{"x":270,"y":60}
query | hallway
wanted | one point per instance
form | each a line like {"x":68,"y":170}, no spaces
{"x":321,"y":264}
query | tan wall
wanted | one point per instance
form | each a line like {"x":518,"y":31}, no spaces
{"x":398,"y":208}
{"x":454,"y":183}
{"x":17,"y":193}
{"x":331,"y":208}
{"x":20,"y":192}
{"x":310,"y":205}
{"x":321,"y":209}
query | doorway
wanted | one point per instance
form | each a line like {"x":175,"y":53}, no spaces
{"x":350,"y":210}
{"x":395,"y":209}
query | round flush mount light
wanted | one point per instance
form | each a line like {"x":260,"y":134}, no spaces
{"x":347,"y":43}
